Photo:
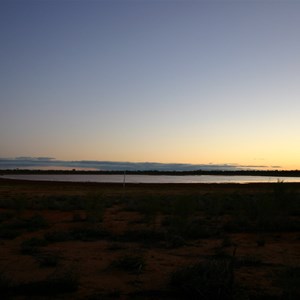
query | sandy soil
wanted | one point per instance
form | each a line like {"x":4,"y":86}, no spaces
{"x":94,"y":260}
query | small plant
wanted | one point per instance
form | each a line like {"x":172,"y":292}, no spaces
{"x":175,"y":241}
{"x":227,"y":242}
{"x":57,"y":236}
{"x":130,"y":263}
{"x":4,"y":216}
{"x":16,"y":226}
{"x":89,"y":233}
{"x":289,"y":281}
{"x":36,"y":222}
{"x":114,"y":294}
{"x":94,"y":208}
{"x":48,"y":259}
{"x":32,"y":245}
{"x":248,"y":261}
{"x":84,"y":233}
{"x":221,"y":253}
{"x":190,"y":228}
{"x":5,"y":283}
{"x":147,"y":237}
{"x":260,"y":241}
{"x":115,"y":247}
{"x":58,"y":282}
{"x":210,"y":280}
{"x":63,"y":281}
{"x":8,"y":233}
{"x":20,"y":204}
{"x":77,"y":217}
{"x":239,"y":224}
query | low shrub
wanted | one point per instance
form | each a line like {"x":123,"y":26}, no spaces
{"x":84,"y":233}
{"x":210,"y":280}
{"x":239,"y":224}
{"x":89,"y":233}
{"x":59,"y":202}
{"x":36,"y":222}
{"x":146,"y":236}
{"x":48,"y":259}
{"x":32,"y":245}
{"x":57,"y":236}
{"x":77,"y":217}
{"x":60,"y":281}
{"x":260,"y":241}
{"x":94,"y":206}
{"x":190,"y":228}
{"x":6,"y":215}
{"x":289,"y":281}
{"x":248,"y":261}
{"x":227,"y":242}
{"x":175,"y":241}
{"x":8,"y":233}
{"x":221,"y":253}
{"x":5,"y":284}
{"x":130,"y":263}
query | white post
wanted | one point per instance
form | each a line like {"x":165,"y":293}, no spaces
{"x":124,"y":179}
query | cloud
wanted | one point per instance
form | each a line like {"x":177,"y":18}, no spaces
{"x":258,"y":166}
{"x":51,"y":163}
{"x":28,"y":158}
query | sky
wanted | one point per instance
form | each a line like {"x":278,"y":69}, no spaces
{"x":191,"y":82}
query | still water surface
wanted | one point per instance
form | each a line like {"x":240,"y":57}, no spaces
{"x":153,"y":178}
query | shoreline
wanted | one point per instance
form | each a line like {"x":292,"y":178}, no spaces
{"x":132,"y":179}
{"x":140,"y":186}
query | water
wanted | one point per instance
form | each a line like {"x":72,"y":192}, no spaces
{"x":152,"y":178}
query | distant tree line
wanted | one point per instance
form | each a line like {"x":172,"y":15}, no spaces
{"x":274,"y":173}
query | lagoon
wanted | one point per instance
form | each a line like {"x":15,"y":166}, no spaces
{"x":152,"y":178}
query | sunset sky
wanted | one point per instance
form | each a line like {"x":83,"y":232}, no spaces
{"x":194,"y":82}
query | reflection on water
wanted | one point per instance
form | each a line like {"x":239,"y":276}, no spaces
{"x":154,"y":178}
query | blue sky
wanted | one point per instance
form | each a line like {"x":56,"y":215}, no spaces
{"x":193,"y":82}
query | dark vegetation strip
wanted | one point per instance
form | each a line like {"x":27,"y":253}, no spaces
{"x":277,"y":173}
